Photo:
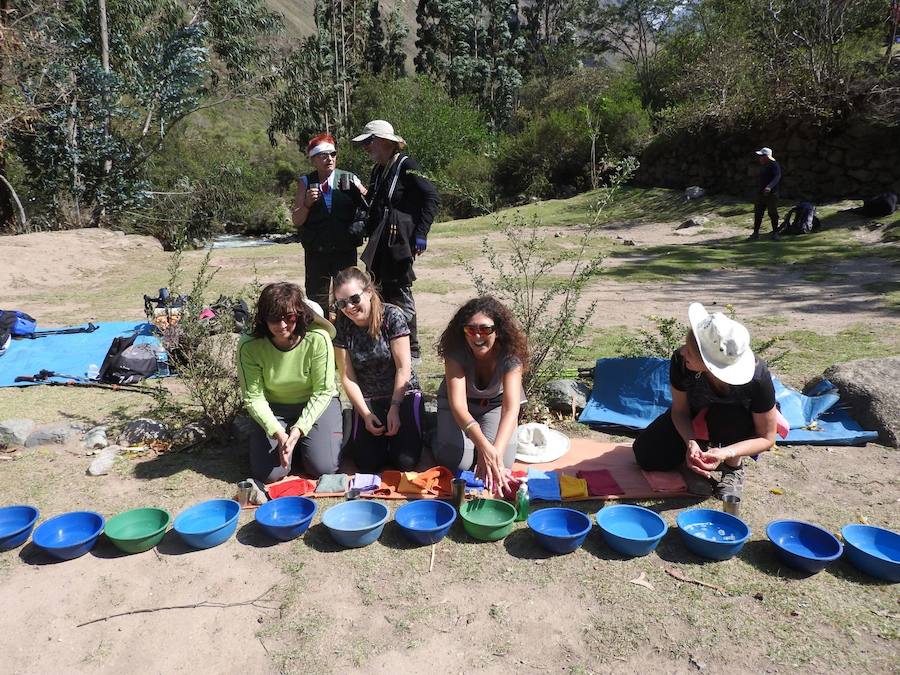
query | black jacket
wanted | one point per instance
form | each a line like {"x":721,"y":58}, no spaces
{"x":411,"y":212}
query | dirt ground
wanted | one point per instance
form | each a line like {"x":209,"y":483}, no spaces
{"x":254,"y":606}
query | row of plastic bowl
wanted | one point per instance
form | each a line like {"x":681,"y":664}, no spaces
{"x":629,"y":530}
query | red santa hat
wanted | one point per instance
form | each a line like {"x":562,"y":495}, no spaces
{"x":319,"y":144}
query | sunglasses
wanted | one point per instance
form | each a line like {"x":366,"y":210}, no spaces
{"x":368,"y":141}
{"x":352,"y":301}
{"x":479,"y":330}
{"x":327,"y":154}
{"x":287,"y":318}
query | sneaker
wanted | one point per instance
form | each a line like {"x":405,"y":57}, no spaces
{"x":731,"y":482}
{"x":776,"y":236}
{"x":753,"y":237}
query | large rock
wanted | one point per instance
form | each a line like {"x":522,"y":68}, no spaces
{"x":142,"y":431}
{"x":872,"y":388}
{"x":560,"y":393}
{"x":55,"y":434}
{"x":15,"y":431}
{"x":693,"y":221}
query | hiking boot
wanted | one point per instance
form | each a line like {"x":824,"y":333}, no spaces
{"x":697,"y":484}
{"x":753,"y":237}
{"x":731,"y":482}
{"x":776,"y":236}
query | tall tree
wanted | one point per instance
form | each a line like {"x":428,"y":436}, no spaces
{"x":550,"y":34}
{"x":375,"y":55}
{"x":395,"y":60}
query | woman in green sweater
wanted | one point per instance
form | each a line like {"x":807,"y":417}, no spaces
{"x":286,"y":370}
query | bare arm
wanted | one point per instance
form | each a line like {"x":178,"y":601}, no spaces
{"x":509,"y":410}
{"x":348,"y":381}
{"x":300,"y":212}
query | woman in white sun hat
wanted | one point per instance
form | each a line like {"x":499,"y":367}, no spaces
{"x":723,"y":405}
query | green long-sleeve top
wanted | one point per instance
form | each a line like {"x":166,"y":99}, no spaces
{"x":305,"y":374}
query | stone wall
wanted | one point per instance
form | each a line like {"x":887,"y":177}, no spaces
{"x":852,"y":161}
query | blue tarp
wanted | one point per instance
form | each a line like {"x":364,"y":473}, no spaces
{"x":70,"y":354}
{"x":634,"y":392}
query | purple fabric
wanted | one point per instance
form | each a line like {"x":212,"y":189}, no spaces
{"x":365,"y":482}
{"x":418,"y":396}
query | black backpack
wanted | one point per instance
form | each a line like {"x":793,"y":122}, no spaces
{"x":126,"y":362}
{"x":800,"y":220}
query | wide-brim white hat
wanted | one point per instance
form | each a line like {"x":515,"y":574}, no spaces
{"x":537,"y":443}
{"x":319,"y":317}
{"x":724,"y":345}
{"x":381,"y":129}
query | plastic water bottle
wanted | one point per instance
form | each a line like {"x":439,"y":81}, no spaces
{"x":523,"y":502}
{"x":93,"y":372}
{"x":162,"y":363}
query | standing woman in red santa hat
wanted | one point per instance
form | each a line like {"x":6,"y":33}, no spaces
{"x":324,"y":212}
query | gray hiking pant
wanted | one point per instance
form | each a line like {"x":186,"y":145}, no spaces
{"x":452,"y":448}
{"x":315,"y":454}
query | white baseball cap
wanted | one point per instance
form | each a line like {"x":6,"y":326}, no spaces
{"x":765,"y":152}
{"x":724,"y":345}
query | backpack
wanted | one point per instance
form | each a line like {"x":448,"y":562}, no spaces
{"x":19,"y":324}
{"x":126,"y":362}
{"x":880,"y":205}
{"x":800,"y":220}
{"x":236,"y":307}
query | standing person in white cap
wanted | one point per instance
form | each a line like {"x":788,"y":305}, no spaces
{"x":325,"y":208}
{"x":723,"y":405}
{"x":403,"y":205}
{"x":767,"y":192}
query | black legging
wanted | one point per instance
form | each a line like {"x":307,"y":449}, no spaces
{"x":402,"y":451}
{"x":765,"y":202}
{"x":661,"y":448}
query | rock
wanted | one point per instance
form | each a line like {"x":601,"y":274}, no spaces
{"x":872,"y":389}
{"x":143,"y":430}
{"x":693,"y":221}
{"x":533,"y":199}
{"x":559,"y":395}
{"x":15,"y":431}
{"x":688,"y":231}
{"x":242,"y":427}
{"x":694,"y":192}
{"x":566,"y":191}
{"x":103,"y":462}
{"x":189,"y":434}
{"x":57,"y":434}
{"x":627,"y":242}
{"x":96,"y":438}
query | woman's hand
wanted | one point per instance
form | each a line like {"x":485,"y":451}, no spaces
{"x":311,"y":197}
{"x":703,"y":462}
{"x":286,"y":444}
{"x":373,"y":425}
{"x":490,"y":469}
{"x":393,"y":421}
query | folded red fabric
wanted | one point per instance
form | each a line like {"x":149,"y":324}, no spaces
{"x":601,"y":483}
{"x":291,"y":487}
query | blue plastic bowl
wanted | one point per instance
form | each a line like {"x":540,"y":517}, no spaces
{"x":631,"y":530}
{"x":559,"y":530}
{"x":16,"y":523}
{"x":69,"y":535}
{"x":208,"y":523}
{"x":425,"y":521}
{"x":873,"y":550}
{"x":712,"y":534}
{"x":804,"y":546}
{"x":286,"y":518}
{"x":356,"y":523}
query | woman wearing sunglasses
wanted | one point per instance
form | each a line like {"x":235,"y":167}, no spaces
{"x":485,"y":353}
{"x":325,"y":209}
{"x":372,"y":353}
{"x":286,"y":371}
{"x":403,"y":204}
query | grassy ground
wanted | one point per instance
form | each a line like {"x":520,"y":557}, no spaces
{"x":499,"y":607}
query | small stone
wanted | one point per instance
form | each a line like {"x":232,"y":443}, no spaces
{"x":758,"y":596}
{"x":259,"y":619}
{"x":190,"y":434}
{"x":795,"y":612}
{"x":103,"y":463}
{"x":628,"y":242}
{"x":96,"y":438}
{"x":15,"y":431}
{"x":694,"y":221}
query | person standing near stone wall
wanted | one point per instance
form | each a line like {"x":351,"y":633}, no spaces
{"x":767,"y":193}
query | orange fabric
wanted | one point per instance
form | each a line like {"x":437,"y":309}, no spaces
{"x":436,"y":480}
{"x":412,"y":484}
{"x":390,"y":483}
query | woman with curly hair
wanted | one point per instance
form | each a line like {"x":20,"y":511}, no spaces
{"x":286,"y":371}
{"x":485,"y":354}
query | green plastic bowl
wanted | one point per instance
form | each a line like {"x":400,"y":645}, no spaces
{"x":137,"y":530}
{"x":488,"y":519}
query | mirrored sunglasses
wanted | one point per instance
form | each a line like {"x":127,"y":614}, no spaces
{"x":480,"y":330}
{"x":287,"y":318}
{"x":352,"y":301}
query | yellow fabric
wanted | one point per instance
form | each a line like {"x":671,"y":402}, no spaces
{"x":571,"y":487}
